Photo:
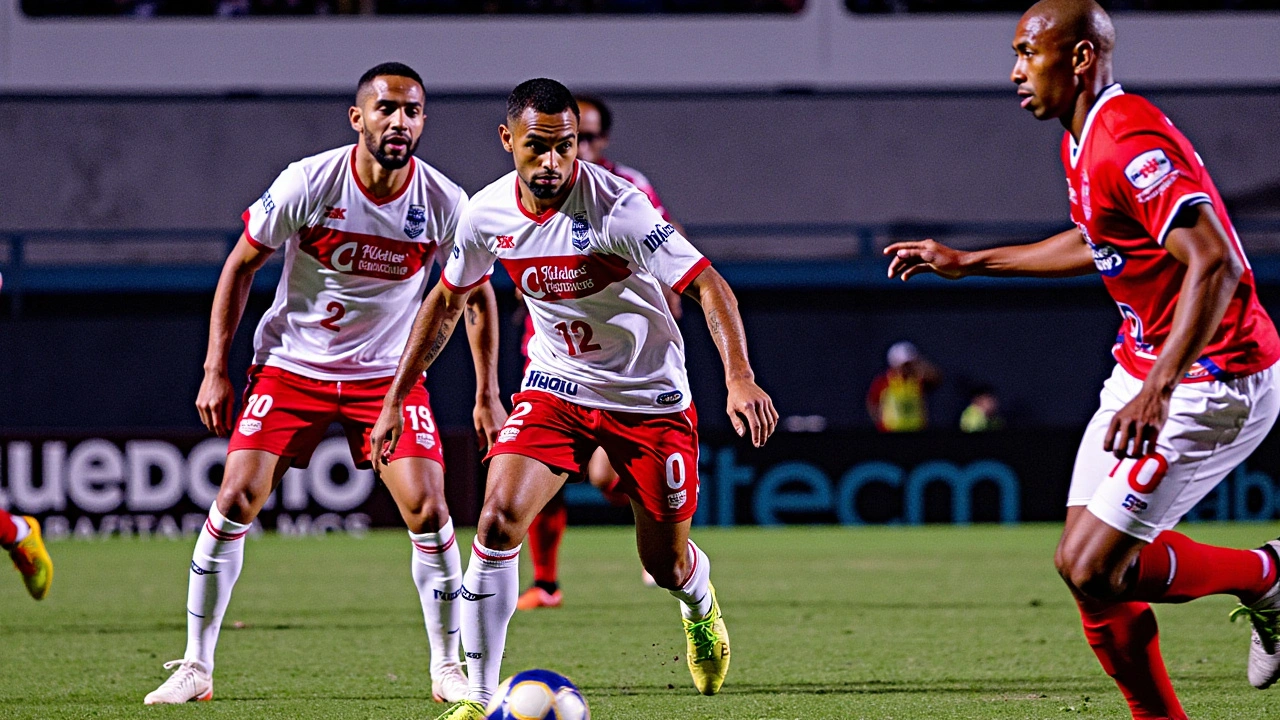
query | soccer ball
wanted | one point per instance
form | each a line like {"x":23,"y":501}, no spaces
{"x":537,"y":695}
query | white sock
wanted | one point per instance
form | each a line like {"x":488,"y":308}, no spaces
{"x":24,"y":529}
{"x":215,"y":565}
{"x":490,"y":590}
{"x":437,"y":571}
{"x":695,"y":594}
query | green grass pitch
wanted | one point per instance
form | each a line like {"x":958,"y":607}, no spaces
{"x":936,"y":622}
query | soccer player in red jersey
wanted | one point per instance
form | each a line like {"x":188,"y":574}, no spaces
{"x":359,"y":227}
{"x":547,"y":529}
{"x":20,"y":537}
{"x":1194,"y":391}
{"x":590,"y":253}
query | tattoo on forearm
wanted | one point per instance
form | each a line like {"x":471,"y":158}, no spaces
{"x":473,"y":317}
{"x":437,"y":345}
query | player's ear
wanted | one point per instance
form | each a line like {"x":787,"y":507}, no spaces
{"x":504,"y":134}
{"x":356,"y":115}
{"x":1083,"y":56}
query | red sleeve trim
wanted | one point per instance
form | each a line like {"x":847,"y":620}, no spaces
{"x":455,"y":289}
{"x":247,"y":236}
{"x":690,"y":276}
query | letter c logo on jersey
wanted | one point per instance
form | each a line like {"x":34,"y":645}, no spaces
{"x":344,"y":256}
{"x":1147,"y":472}
{"x":530,"y":285}
{"x":1108,"y":260}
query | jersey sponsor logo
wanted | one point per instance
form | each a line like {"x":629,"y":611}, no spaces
{"x":670,"y":398}
{"x":249,"y":426}
{"x":538,"y":380}
{"x":446,"y":596}
{"x":415,"y":221}
{"x":1084,"y":196}
{"x":365,"y":255}
{"x":581,"y":231}
{"x":507,"y":434}
{"x":566,"y":277}
{"x":1134,"y":324}
{"x":1148,"y":168}
{"x":1107,"y":259}
{"x":201,"y":571}
{"x":335,"y":213}
{"x":267,"y":203}
{"x":1071,"y":193}
{"x":505,"y":242}
{"x":656,"y":237}
{"x":426,"y":440}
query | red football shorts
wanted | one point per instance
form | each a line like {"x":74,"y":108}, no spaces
{"x":287,"y":414}
{"x":656,"y":456}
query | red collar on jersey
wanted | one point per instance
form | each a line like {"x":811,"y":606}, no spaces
{"x":546,"y":215}
{"x":393,"y":196}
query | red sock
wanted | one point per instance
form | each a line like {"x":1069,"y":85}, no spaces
{"x":1174,"y":568}
{"x":544,"y":539}
{"x":1127,"y":643}
{"x":8,"y":531}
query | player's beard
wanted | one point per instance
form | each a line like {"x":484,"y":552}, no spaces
{"x":544,"y":192}
{"x":378,"y":150}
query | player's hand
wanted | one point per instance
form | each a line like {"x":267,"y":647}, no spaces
{"x":751,"y":410}
{"x":385,"y":434}
{"x":216,"y":402}
{"x":489,"y":417}
{"x":925,"y":256}
{"x":1133,"y":430}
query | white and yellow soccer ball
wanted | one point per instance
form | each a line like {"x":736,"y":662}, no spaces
{"x":537,"y":695}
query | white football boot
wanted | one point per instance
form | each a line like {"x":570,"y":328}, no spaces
{"x":449,"y":684}
{"x":1264,"y":615}
{"x":189,"y":682}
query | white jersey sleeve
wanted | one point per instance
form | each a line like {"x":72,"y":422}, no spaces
{"x":470,"y":259}
{"x":281,"y":211}
{"x":635,"y":230}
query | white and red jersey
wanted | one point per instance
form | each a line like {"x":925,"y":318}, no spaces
{"x":590,"y":272}
{"x":641,"y":182}
{"x":355,"y":266}
{"x":1127,"y":178}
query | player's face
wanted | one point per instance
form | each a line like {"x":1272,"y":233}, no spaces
{"x":390,"y":120}
{"x":591,"y":144}
{"x":544,"y":147}
{"x":1043,"y":70}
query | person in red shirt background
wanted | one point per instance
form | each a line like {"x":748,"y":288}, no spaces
{"x":1194,"y":391}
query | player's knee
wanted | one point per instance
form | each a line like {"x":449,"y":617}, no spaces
{"x":668,"y":573}
{"x":498,"y":529}
{"x":1090,"y":578}
{"x":238,"y":505}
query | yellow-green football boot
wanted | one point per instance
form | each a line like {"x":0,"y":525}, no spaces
{"x":464,"y":710}
{"x":708,"y":648}
{"x":32,"y":560}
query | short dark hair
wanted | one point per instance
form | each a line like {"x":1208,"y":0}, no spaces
{"x":606,"y":117}
{"x":394,"y":69}
{"x":543,"y":95}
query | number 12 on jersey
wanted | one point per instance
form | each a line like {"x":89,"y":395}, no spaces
{"x":577,"y":337}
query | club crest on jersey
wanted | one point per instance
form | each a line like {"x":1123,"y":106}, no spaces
{"x":415,"y":220}
{"x":581,"y":231}
{"x":1108,"y":260}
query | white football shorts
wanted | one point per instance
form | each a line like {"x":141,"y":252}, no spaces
{"x":1213,"y":426}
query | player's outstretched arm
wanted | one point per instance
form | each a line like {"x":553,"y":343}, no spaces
{"x":216,"y":399}
{"x":750,"y":408}
{"x":482,"y":333}
{"x":1198,"y":241}
{"x":434,"y":324}
{"x":1063,"y":255}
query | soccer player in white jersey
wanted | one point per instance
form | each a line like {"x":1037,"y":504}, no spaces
{"x":360,"y":226}
{"x":606,"y":369}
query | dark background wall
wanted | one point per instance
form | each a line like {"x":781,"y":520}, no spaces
{"x":746,"y":158}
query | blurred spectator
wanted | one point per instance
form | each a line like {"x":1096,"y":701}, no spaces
{"x":897,"y":401}
{"x":983,"y":412}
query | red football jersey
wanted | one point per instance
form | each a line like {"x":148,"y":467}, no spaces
{"x":1129,"y":175}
